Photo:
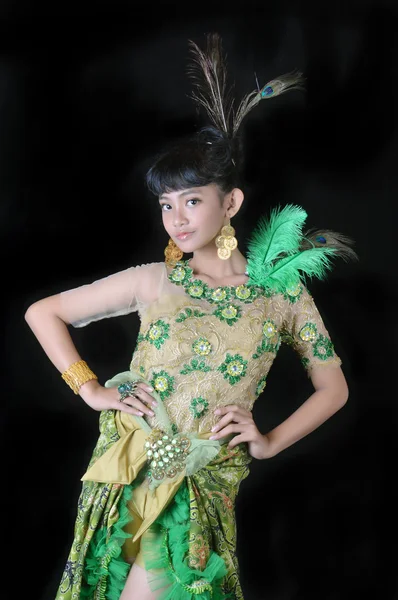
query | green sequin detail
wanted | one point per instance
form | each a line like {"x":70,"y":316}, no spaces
{"x":245,"y":294}
{"x":202,"y":346}
{"x":293,"y":293}
{"x":261,"y":385}
{"x":199,"y":407}
{"x":233,"y":367}
{"x":267,"y":346}
{"x":182,"y":274}
{"x":218,"y":295}
{"x":163,"y":383}
{"x":195,"y":365}
{"x":157,"y":334}
{"x":229,"y":313}
{"x":323,"y":347}
{"x":189,"y":313}
{"x":196,"y":289}
{"x":269,"y":329}
{"x":308,"y":332}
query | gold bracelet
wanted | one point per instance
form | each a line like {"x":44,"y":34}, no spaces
{"x":78,"y":374}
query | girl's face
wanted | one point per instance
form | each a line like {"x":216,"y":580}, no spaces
{"x":194,"y":217}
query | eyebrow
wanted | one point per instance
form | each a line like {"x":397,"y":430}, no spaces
{"x":185,"y":193}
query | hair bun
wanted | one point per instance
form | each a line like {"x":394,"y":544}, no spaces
{"x":212,"y":135}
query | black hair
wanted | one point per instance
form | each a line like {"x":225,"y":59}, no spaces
{"x":208,"y":157}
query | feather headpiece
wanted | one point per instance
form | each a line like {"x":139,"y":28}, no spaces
{"x":280,"y":255}
{"x":208,"y":72}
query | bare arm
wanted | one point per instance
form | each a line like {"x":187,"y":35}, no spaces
{"x":48,"y":322}
{"x":116,"y":294}
{"x":331,"y":393}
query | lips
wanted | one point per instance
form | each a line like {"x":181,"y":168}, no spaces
{"x":184,"y":235}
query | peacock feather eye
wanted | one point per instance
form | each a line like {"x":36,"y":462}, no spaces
{"x":267,"y":91}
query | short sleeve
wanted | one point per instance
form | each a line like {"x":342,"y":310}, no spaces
{"x":305,"y":331}
{"x":118,"y":294}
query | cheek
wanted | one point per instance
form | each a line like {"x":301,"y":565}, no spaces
{"x":213,"y":222}
{"x":166,"y":220}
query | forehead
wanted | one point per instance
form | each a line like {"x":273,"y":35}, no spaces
{"x":200,"y":190}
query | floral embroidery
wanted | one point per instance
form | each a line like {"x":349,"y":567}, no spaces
{"x":217,"y":295}
{"x":197,"y":289}
{"x":157,"y":333}
{"x":261,"y":385}
{"x":199,"y":407}
{"x":308,"y":332}
{"x":187,"y":313}
{"x":293,"y":293}
{"x":229,"y":313}
{"x":269,"y":329}
{"x":245,"y":294}
{"x":195,"y":365}
{"x":142,"y":370}
{"x":181,"y":273}
{"x":267,"y":346}
{"x":202,"y":346}
{"x":174,"y":428}
{"x":323,"y":347}
{"x":233,"y":367}
{"x":163,"y":383}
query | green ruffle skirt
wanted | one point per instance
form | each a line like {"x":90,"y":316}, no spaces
{"x":189,"y":551}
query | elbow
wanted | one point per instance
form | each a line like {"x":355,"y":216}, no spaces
{"x":31,"y":310}
{"x":36,"y":311}
{"x":343,"y":395}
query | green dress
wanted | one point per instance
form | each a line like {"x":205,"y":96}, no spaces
{"x":157,"y":490}
{"x":200,"y":348}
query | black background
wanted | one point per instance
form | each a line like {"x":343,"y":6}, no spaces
{"x":89,"y":92}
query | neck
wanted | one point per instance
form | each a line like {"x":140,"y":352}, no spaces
{"x":205,"y":261}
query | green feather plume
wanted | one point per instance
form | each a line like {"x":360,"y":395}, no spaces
{"x":281,"y":233}
{"x":280,"y":256}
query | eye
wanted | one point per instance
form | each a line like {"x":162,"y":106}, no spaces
{"x":162,"y":207}
{"x":194,"y":200}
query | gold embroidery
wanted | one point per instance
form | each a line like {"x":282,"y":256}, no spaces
{"x":202,"y":336}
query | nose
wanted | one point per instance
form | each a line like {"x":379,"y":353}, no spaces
{"x":179,"y":219}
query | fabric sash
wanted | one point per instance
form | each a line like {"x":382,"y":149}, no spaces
{"x":122,"y":462}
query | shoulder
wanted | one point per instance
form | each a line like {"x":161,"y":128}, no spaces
{"x":150,"y":268}
{"x":135,"y":272}
{"x":126,"y":279}
{"x":291,"y":300}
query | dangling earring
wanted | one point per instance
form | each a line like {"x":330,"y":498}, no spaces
{"x":226,"y":242}
{"x":172,"y":253}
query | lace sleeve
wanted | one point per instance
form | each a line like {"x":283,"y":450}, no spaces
{"x":305,"y":331}
{"x":118,"y":294}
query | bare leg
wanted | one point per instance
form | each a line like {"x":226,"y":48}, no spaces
{"x":137,"y":587}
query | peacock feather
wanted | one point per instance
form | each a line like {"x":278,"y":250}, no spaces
{"x":280,"y":256}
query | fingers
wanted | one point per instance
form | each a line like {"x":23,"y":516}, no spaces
{"x":237,"y":414}
{"x":237,"y":411}
{"x":238,"y":439}
{"x":142,"y":392}
{"x":139,"y":403}
{"x":232,"y":428}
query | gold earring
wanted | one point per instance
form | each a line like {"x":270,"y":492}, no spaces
{"x":172,"y":253}
{"x":226,"y":242}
